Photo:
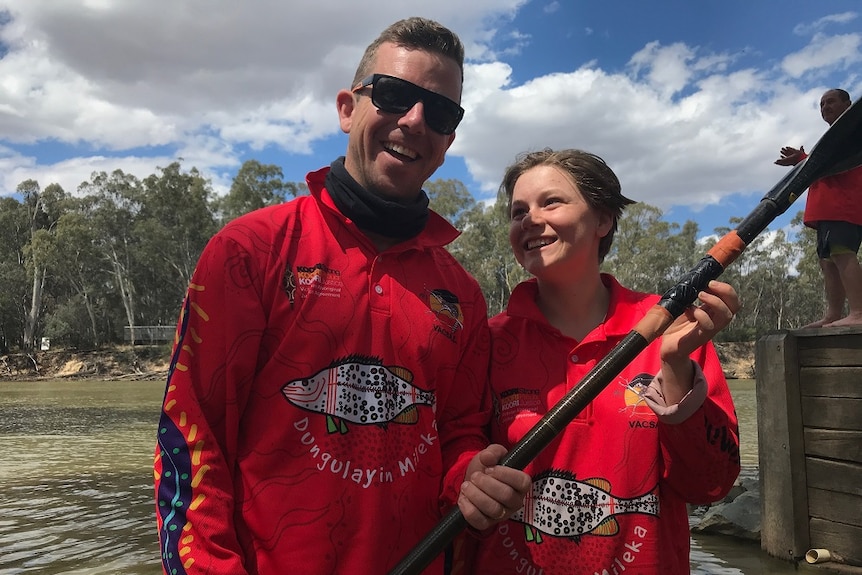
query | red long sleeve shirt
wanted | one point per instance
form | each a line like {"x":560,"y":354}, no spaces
{"x":609,"y":494}
{"x":323,"y":400}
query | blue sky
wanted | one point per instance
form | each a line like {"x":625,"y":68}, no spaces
{"x":689,"y":102}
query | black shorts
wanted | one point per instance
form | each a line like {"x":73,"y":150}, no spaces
{"x":837,"y":237}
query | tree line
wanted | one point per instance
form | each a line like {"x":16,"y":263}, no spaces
{"x":80,"y":269}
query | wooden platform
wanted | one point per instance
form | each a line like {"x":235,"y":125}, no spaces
{"x":809,"y":415}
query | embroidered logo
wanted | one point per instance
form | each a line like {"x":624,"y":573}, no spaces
{"x":518,"y":402}
{"x":447,"y":309}
{"x":318,"y":280}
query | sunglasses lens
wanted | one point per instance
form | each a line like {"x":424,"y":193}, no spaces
{"x":393,"y":95}
{"x":442,"y":115}
{"x":396,"y":96}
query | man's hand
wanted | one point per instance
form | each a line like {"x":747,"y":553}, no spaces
{"x":790,"y":156}
{"x":490,"y":492}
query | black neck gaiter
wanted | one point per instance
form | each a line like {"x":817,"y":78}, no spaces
{"x":371,"y":212}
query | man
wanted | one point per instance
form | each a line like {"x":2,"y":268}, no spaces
{"x":834,"y":209}
{"x":328,"y":389}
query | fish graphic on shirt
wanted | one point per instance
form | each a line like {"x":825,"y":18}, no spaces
{"x":361,"y":390}
{"x":562,"y":506}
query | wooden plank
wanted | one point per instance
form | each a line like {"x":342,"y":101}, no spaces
{"x":835,"y":507}
{"x":835,"y":476}
{"x":803,"y":334}
{"x":831,"y":413}
{"x":845,"y":540}
{"x":837,"y":350}
{"x":834,"y":444}
{"x":831,"y":382}
{"x":783,"y":495}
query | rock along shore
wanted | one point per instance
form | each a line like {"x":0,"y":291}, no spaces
{"x":737,"y":515}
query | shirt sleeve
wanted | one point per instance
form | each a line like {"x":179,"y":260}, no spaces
{"x":678,"y":412}
{"x":700,"y":449}
{"x":464,"y":420}
{"x":206,"y":391}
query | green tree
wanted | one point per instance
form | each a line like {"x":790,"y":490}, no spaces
{"x":255,"y":185}
{"x":44,"y":208}
{"x":174,"y":223}
{"x":77,"y":260}
{"x":483,"y":249}
{"x":115,"y":205}
{"x":14,"y":236}
{"x":647,"y":254}
{"x":451,"y":199}
{"x":778,"y":284}
{"x":807,"y":299}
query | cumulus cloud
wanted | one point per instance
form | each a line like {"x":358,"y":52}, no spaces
{"x":137,"y":84}
{"x":809,"y":28}
{"x":824,"y":54}
{"x":113,"y":76}
{"x":680,"y":125}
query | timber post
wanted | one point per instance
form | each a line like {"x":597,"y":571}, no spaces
{"x":809,"y":414}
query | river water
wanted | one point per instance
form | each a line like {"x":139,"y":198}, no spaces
{"x":77,"y":496}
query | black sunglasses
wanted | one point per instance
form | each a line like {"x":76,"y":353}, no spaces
{"x":396,"y":96}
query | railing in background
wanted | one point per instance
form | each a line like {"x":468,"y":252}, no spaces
{"x":148,"y":334}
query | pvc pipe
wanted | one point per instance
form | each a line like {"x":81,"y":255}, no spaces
{"x":818,"y":556}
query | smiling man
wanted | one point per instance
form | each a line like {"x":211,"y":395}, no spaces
{"x":327,"y":397}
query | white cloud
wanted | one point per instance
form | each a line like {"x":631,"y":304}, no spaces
{"x":808,"y":28}
{"x":123,"y":75}
{"x":14,"y":169}
{"x":825,"y":53}
{"x":678,"y":128}
{"x":665,"y":68}
{"x":206,"y":80}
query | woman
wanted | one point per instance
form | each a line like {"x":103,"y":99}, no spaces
{"x":609,"y":495}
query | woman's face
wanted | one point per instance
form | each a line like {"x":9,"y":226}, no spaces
{"x":553,"y":231}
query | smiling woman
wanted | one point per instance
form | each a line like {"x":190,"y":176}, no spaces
{"x":641,"y":439}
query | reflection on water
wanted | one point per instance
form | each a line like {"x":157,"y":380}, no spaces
{"x":92,"y":523}
{"x":744,"y":399}
{"x":719,"y":555}
{"x":77,"y":495}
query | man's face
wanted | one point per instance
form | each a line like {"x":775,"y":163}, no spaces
{"x":831,"y":106}
{"x":391,"y":154}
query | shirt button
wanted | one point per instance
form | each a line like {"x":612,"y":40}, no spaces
{"x":574,"y":359}
{"x":378,"y":289}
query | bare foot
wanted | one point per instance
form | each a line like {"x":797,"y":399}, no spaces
{"x":821,"y":323}
{"x":852,"y":319}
